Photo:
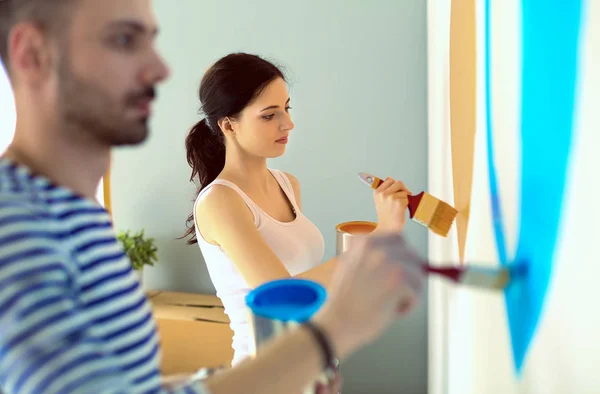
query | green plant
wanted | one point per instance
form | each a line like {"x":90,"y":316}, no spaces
{"x":140,"y":249}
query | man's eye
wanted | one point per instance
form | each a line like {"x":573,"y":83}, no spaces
{"x":124,"y":40}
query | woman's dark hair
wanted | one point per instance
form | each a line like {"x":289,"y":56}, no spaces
{"x":226,"y":89}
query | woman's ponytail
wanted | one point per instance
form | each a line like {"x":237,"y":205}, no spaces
{"x":206,"y":156}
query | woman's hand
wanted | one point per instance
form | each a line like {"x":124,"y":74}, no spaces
{"x":391,"y":200}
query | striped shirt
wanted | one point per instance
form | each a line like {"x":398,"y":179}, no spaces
{"x":73,"y":317}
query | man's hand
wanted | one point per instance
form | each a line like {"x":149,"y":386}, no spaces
{"x":334,"y":386}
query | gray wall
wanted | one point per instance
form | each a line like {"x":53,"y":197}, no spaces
{"x":358,"y":87}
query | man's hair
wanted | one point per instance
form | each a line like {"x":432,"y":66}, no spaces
{"x":48,"y":14}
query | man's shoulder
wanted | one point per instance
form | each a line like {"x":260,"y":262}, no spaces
{"x":19,"y":192}
{"x":17,"y":207}
{"x":24,"y":225}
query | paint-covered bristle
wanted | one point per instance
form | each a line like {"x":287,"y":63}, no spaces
{"x":443,"y":218}
{"x":435,"y":214}
{"x":489,"y":278}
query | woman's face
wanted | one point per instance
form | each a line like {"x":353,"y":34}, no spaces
{"x":263,"y":127}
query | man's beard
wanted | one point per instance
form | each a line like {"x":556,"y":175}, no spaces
{"x":88,"y":111}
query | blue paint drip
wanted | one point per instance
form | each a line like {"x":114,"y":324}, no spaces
{"x":550,"y":50}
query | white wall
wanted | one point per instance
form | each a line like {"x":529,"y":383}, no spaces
{"x":358,"y":90}
{"x":8,"y":116}
{"x":470,"y":344}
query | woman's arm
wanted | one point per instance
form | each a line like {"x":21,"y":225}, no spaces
{"x":228,"y":222}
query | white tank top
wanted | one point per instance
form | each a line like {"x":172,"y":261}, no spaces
{"x":298,"y":244}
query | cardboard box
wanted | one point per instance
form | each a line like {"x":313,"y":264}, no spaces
{"x":194,"y":331}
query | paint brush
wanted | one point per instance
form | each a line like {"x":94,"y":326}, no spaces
{"x":482,"y":277}
{"x":423,"y":208}
{"x":397,"y":249}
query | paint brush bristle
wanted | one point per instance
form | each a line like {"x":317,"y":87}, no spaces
{"x":433,"y":213}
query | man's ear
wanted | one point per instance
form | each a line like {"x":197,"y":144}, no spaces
{"x":30,"y":52}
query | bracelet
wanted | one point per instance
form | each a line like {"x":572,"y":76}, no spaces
{"x":324,"y":342}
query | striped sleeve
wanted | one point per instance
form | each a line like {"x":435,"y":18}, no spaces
{"x":45,"y":342}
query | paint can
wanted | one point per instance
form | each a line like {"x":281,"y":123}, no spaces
{"x":346,"y":233}
{"x":278,"y":305}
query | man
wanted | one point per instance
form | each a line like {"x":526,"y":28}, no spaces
{"x":72,"y":315}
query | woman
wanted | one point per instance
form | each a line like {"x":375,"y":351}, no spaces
{"x":247,"y":218}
